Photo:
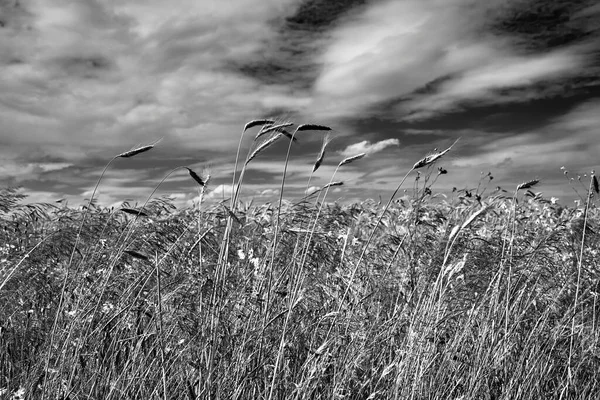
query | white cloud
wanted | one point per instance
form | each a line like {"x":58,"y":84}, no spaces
{"x":21,"y":171}
{"x":219,"y":193}
{"x":396,"y":47}
{"x":312,"y":190}
{"x":96,"y":74}
{"x":367,"y":147}
{"x":480,"y":82}
{"x":84,"y":80}
{"x":268,"y":193}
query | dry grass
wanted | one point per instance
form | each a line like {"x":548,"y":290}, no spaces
{"x":476,"y":297}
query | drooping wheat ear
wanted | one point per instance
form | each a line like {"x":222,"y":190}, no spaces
{"x":348,"y":160}
{"x":196,"y":177}
{"x":290,"y":136}
{"x":528,"y":184}
{"x":312,"y":127}
{"x":595,"y":183}
{"x":430,"y":159}
{"x":321,"y":155}
{"x":332,"y":184}
{"x":273,"y":128}
{"x":138,"y":150}
{"x":257,"y":122}
{"x":134,"y":211}
{"x":264,"y":145}
{"x":136,"y":255}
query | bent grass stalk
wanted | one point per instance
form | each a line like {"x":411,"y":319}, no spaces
{"x":428,"y":160}
{"x":251,"y":124}
{"x":593,"y":186}
{"x":522,"y":186}
{"x":476,"y":331}
{"x":128,"y":232}
{"x":317,"y":164}
{"x":127,"y":154}
{"x":299,"y":128}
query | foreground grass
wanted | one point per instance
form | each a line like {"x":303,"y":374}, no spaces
{"x":466,"y":298}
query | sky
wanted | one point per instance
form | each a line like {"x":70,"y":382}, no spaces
{"x":518,"y":81}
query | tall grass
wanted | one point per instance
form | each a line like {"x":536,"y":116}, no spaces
{"x":472,"y":297}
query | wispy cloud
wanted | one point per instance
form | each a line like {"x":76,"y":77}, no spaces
{"x":83,"y":81}
{"x":433,"y":55}
{"x":219,"y":192}
{"x":369,"y":148}
{"x":569,"y":139}
{"x":95,"y":73}
{"x":484,"y":84}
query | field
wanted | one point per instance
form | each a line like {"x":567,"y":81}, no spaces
{"x":477,"y":295}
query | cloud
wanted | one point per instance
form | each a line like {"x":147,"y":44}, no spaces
{"x":98,"y":76}
{"x":366,"y":147}
{"x":570,"y":139}
{"x":268,"y":193}
{"x":433,"y":55}
{"x":21,"y":171}
{"x":482,"y":84}
{"x":83,"y":81}
{"x":219,"y":193}
{"x":312,"y":189}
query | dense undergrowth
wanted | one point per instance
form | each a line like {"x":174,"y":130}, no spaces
{"x":456,"y":298}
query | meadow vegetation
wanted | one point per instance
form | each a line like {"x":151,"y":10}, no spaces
{"x":483,"y":294}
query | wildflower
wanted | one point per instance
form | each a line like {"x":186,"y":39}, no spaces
{"x":241,"y":254}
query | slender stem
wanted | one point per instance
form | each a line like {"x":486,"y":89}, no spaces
{"x":273,"y":249}
{"x":579,"y":266}
{"x":65,"y":279}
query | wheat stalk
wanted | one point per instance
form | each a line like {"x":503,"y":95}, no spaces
{"x":321,"y":155}
{"x":348,"y":160}
{"x":290,"y":136}
{"x":138,"y":150}
{"x":134,"y":211}
{"x":528,"y":184}
{"x":196,"y":177}
{"x":273,"y":128}
{"x":332,"y":184}
{"x":264,"y":145}
{"x":257,"y":122}
{"x":312,"y":127}
{"x":430,"y":159}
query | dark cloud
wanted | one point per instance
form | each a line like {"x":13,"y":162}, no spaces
{"x":321,"y":14}
{"x":538,"y":25}
{"x":289,"y":58}
{"x":13,"y":16}
{"x":83,"y":67}
{"x":83,"y":81}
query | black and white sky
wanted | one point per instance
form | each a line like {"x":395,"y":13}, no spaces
{"x":81,"y":81}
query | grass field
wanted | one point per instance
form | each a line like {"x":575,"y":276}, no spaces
{"x":479,"y":295}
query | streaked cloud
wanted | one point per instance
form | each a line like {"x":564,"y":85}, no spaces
{"x":219,"y":192}
{"x":395,"y":49}
{"x":483,"y":83}
{"x":369,"y":148}
{"x":83,"y":81}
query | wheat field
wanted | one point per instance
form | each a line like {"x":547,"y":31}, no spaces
{"x":477,"y":295}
